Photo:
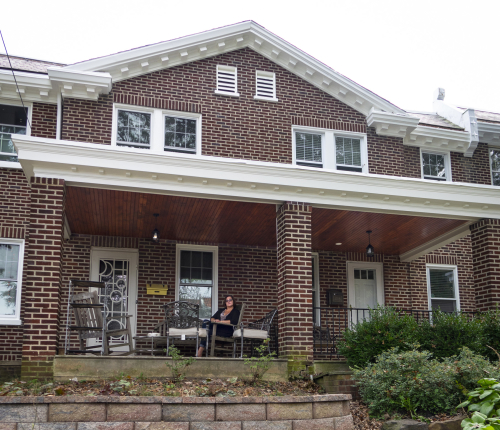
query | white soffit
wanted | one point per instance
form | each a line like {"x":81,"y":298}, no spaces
{"x":388,"y":124}
{"x":33,"y":87}
{"x":103,"y":166}
{"x":438,"y":139}
{"x":147,"y":59}
{"x":489,"y":133}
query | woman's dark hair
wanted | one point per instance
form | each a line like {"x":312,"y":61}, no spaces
{"x":224,"y":305}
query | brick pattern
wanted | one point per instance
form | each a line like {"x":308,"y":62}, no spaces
{"x":485,"y":236}
{"x":43,"y":277}
{"x":154,"y":102}
{"x":294,"y":280}
{"x":330,"y":124}
{"x":44,"y":120}
{"x":475,"y":169}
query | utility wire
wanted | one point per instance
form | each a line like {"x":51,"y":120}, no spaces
{"x":15,"y":80}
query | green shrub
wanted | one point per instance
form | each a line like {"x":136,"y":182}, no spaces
{"x":490,"y":322}
{"x":446,"y":333}
{"x":386,"y":329}
{"x":401,"y":378}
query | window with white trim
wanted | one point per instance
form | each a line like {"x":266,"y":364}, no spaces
{"x":442,"y":286}
{"x":329,"y":149}
{"x":11,"y":268}
{"x":227,"y":81}
{"x":435,"y":166}
{"x":265,"y":86}
{"x":13,"y":120}
{"x":156,"y":130}
{"x":197,"y":277}
{"x":495,"y":166}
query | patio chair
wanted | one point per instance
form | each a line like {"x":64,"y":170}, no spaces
{"x":232,"y":340}
{"x":89,"y":324}
{"x":182,"y":320}
{"x":258,"y":330}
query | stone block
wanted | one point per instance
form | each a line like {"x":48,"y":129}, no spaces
{"x":453,"y":424}
{"x":134,"y":412}
{"x":289,"y":411}
{"x":328,"y":409}
{"x":77,"y":412}
{"x":162,"y":426}
{"x":266,"y":425}
{"x":404,"y":425}
{"x":8,"y":426}
{"x":105,"y":426}
{"x":46,"y":426}
{"x":228,"y":425}
{"x":321,"y":424}
{"x":24,"y":413}
{"x":188,"y":412}
{"x":242,"y":412}
{"x":344,"y":423}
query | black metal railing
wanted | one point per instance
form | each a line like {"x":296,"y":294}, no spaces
{"x":330,"y":323}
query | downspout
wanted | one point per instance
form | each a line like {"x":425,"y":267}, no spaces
{"x":59,"y":116}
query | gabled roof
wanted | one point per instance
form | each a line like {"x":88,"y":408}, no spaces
{"x":146,"y":59}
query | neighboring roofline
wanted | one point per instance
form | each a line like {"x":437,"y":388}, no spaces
{"x":55,"y":63}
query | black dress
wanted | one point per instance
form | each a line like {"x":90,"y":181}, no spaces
{"x":233,"y":317}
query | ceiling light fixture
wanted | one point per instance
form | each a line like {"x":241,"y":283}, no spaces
{"x":156,"y":232}
{"x":370,"y":251}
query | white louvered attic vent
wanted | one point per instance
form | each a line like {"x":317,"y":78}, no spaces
{"x":227,"y":81}
{"x":265,"y":86}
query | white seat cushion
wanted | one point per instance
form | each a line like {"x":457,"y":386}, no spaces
{"x":187,"y":332}
{"x":251,"y":333}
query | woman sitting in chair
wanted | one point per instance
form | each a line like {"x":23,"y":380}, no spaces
{"x":229,"y":314}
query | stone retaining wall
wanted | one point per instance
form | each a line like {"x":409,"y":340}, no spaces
{"x":320,"y":412}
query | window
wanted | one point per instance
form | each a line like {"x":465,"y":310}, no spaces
{"x":495,"y":166}
{"x":227,"y":81}
{"x":308,"y":149}
{"x":197,"y":277}
{"x":265,"y":86}
{"x":442,"y":285}
{"x":329,"y":149}
{"x":134,"y":129}
{"x":11,"y":266}
{"x":435,"y":166}
{"x":12,"y":121}
{"x":156,"y":130}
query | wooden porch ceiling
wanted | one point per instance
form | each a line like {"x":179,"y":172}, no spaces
{"x":122,"y":213}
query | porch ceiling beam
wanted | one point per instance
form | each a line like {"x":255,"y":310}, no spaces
{"x":103,"y":166}
{"x":436,"y":243}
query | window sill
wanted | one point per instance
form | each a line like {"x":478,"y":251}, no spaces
{"x":4,"y":321}
{"x":265,"y":99}
{"x":222,"y":93}
{"x":10,"y":164}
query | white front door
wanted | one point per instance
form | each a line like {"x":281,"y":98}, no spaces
{"x":118,"y":267}
{"x":366,"y":288}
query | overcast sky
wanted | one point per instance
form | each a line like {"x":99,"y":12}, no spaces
{"x":400,"y":49}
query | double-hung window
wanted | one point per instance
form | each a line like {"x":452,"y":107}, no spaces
{"x":13,"y":120}
{"x":197,"y":277}
{"x":329,"y":149}
{"x":156,"y":130}
{"x":11,"y":265}
{"x":442,"y":286}
{"x":436,"y":166}
{"x":495,"y":166}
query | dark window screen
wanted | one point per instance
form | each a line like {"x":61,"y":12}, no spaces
{"x":13,"y":115}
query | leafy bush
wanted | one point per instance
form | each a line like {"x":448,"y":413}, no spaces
{"x":260,"y":365}
{"x":490,"y":322}
{"x":386,"y":329}
{"x":401,"y":378}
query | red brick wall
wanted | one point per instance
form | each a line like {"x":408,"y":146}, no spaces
{"x":14,"y":222}
{"x":485,"y":236}
{"x":475,"y":169}
{"x":44,"y":120}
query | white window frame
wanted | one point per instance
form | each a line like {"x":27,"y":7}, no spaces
{"x":455,"y":277}
{"x":497,"y":149}
{"x":227,"y":68}
{"x":29,"y":105}
{"x":268,"y":75}
{"x":447,"y":163}
{"x":328,"y":149}
{"x":157,"y":137}
{"x":316,"y":287}
{"x":215,"y":270}
{"x":16,"y":318}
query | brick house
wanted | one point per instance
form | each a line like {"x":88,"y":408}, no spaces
{"x":266,"y":167}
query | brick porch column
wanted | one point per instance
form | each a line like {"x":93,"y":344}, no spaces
{"x":294,"y":281}
{"x":485,"y":237}
{"x":43,"y":277}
